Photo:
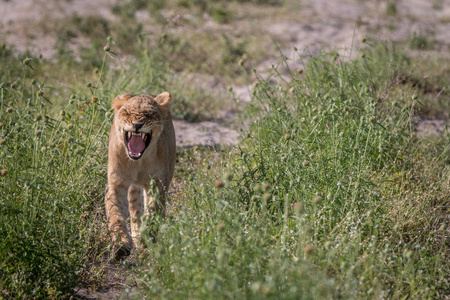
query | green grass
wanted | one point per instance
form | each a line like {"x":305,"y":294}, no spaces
{"x":326,"y":197}
{"x":391,"y":8}
{"x":330,"y":194}
{"x":418,"y":41}
{"x":52,"y":185}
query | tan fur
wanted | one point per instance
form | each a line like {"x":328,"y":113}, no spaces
{"x":127,"y":192}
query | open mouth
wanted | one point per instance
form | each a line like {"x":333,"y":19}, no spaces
{"x":136,"y":143}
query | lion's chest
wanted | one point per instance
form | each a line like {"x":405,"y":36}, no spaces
{"x":143,"y":170}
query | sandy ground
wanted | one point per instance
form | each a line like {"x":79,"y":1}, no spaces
{"x":320,"y":25}
{"x":24,"y":23}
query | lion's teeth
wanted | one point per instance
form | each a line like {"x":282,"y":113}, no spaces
{"x":131,"y":154}
{"x":143,"y":136}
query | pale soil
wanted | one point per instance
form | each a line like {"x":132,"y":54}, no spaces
{"x":28,"y":24}
{"x":311,"y":26}
{"x":204,"y":133}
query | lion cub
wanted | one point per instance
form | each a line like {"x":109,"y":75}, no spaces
{"x":141,"y":149}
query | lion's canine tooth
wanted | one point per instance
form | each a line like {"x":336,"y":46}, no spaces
{"x":143,"y":135}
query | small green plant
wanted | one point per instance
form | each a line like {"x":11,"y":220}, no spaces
{"x":418,"y":41}
{"x":221,"y":14}
{"x":391,"y":8}
{"x":127,"y":9}
{"x":437,"y":4}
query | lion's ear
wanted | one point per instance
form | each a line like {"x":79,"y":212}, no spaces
{"x":120,"y":100}
{"x":163,"y":101}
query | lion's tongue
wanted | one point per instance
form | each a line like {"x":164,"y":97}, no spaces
{"x":136,"y":144}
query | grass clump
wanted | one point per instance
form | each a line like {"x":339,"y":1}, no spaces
{"x":332,"y":143}
{"x":213,"y":246}
{"x":418,"y":41}
{"x":324,"y":198}
{"x":52,"y":186}
{"x":391,"y":8}
{"x":196,"y":51}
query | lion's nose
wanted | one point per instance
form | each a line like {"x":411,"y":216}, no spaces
{"x":137,"y":125}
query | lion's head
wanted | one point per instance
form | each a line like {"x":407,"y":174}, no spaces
{"x":139,"y":120}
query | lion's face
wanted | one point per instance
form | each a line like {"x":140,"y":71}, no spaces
{"x":139,"y":120}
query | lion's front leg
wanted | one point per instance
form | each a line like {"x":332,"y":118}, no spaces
{"x":116,"y":204}
{"x":136,"y":203}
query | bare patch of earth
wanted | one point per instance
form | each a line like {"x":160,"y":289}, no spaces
{"x":426,"y":127}
{"x":310,"y":26}
{"x":204,"y":133}
{"x":29,"y":24}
